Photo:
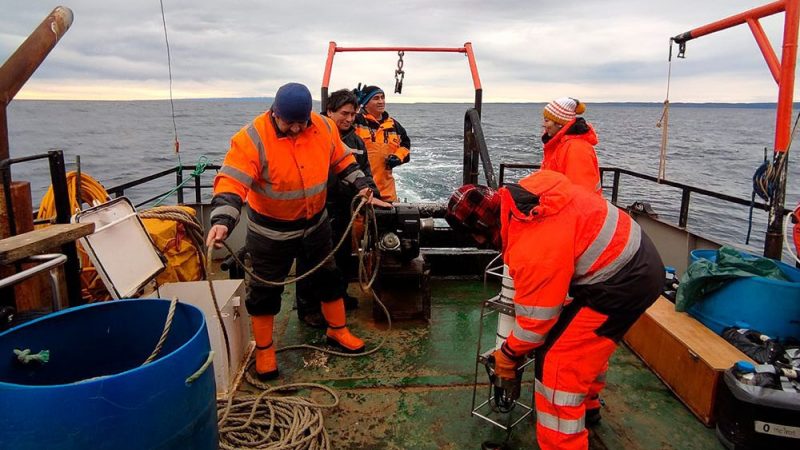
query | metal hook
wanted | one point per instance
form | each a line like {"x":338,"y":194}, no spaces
{"x":682,"y":49}
{"x":399,"y":74}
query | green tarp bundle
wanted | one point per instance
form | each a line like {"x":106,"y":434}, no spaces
{"x":703,"y":276}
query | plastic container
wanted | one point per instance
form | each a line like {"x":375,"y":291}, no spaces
{"x":754,"y":417}
{"x":770,"y":306}
{"x":670,"y":283}
{"x":94,"y":392}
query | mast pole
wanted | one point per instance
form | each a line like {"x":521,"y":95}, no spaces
{"x":21,"y":65}
{"x":773,"y":245}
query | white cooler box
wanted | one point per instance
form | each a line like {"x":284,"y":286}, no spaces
{"x":228,"y":371}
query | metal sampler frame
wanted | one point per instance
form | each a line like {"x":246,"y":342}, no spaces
{"x":495,"y":306}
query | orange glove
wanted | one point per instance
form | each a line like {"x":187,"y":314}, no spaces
{"x":504,"y":365}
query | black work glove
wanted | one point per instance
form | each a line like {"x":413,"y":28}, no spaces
{"x":392,"y":161}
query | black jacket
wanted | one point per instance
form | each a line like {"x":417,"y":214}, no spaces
{"x":338,"y":191}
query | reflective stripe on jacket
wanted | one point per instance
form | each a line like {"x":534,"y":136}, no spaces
{"x":556,"y":235}
{"x":383,"y":138}
{"x":281,"y":177}
{"x":571,"y":152}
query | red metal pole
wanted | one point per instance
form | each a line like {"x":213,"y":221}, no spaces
{"x":473,"y":67}
{"x":732,"y":21}
{"x":783,"y":132}
{"x":326,"y":77}
{"x":467,"y":49}
{"x":786,"y":82}
{"x":766,"y":48}
{"x":404,"y":49}
{"x":476,"y":79}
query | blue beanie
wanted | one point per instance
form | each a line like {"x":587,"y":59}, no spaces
{"x":366,"y":94}
{"x":292,"y":103}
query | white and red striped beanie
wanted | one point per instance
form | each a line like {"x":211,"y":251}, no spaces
{"x":564,"y":109}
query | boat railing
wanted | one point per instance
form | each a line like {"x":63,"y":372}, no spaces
{"x":47,"y":262}
{"x":686,"y":190}
{"x":197,"y":187}
{"x":181,"y":184}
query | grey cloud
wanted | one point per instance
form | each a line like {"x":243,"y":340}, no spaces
{"x":255,"y":45}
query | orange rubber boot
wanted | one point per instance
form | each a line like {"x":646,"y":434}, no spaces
{"x":266,"y":364}
{"x":337,"y":330}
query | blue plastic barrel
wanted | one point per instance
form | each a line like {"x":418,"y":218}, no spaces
{"x":94,"y":392}
{"x":769,"y":306}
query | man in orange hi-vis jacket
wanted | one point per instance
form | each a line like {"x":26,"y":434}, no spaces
{"x":388,"y":144}
{"x":279,"y":164}
{"x":569,"y":143}
{"x":559,"y":239}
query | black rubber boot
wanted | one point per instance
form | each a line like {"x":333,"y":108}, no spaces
{"x":269,"y":376}
{"x":350,"y":303}
{"x":489,"y":445}
{"x":592,"y":417}
{"x":313,"y":320}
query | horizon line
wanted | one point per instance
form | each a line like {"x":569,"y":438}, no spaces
{"x":616,"y":102}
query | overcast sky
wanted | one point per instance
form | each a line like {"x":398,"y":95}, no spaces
{"x":526,"y":50}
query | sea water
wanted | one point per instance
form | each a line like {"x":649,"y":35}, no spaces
{"x":717,"y":147}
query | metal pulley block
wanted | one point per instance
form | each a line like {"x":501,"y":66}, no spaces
{"x":389,"y":242}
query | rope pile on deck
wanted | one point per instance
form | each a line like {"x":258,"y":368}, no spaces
{"x":273,"y":419}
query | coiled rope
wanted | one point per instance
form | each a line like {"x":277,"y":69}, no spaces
{"x":91,"y":191}
{"x":271,"y":421}
{"x":767,"y":176}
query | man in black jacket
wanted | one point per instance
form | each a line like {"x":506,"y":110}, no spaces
{"x":341,"y":108}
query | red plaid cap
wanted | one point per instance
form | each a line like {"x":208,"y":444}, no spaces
{"x":474,"y":208}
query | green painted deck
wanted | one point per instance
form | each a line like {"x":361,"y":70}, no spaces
{"x":416,"y":392}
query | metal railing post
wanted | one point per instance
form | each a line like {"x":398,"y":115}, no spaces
{"x":197,"y":188}
{"x":615,"y":187}
{"x":179,"y":180}
{"x":72,"y":267}
{"x":683,"y":218}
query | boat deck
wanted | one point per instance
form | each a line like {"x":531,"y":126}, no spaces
{"x":416,"y":392}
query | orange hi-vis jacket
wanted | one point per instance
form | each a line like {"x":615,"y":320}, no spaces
{"x":572,"y":153}
{"x":383,"y":137}
{"x":568,"y":238}
{"x":283,"y":179}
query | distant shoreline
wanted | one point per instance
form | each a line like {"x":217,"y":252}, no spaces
{"x":316,"y":102}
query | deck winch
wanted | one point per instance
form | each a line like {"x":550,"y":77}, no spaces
{"x":403,"y":281}
{"x":399,"y":232}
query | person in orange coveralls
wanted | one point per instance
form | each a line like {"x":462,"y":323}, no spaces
{"x":279,"y":164}
{"x":569,"y":143}
{"x":558,"y":239}
{"x":388,"y":144}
